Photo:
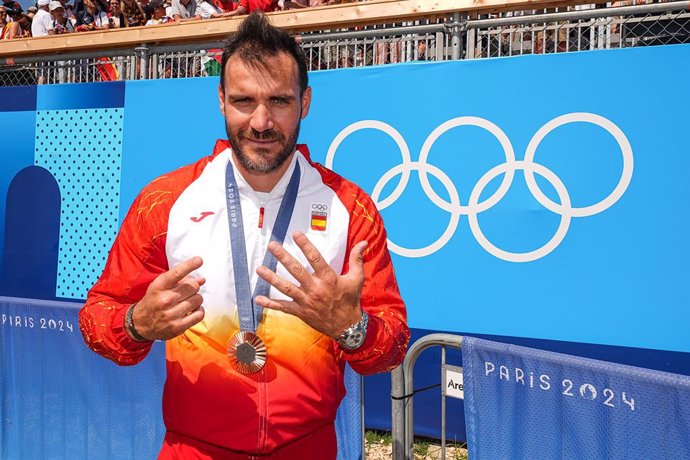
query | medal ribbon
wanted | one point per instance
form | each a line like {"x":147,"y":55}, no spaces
{"x":250,"y":313}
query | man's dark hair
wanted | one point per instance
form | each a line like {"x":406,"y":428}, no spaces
{"x":255,"y":40}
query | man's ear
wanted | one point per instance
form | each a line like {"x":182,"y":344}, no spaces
{"x":306,"y":102}
{"x":221,"y":99}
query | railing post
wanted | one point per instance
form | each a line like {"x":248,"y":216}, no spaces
{"x":398,"y":413}
{"x":62,"y":78}
{"x":456,"y":28}
{"x":440,"y":46}
{"x":142,"y":52}
{"x":471,"y":43}
{"x":402,"y":391}
{"x":155,"y":64}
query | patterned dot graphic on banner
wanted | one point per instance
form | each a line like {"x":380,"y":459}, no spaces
{"x":83,"y":150}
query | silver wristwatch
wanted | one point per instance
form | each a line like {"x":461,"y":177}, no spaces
{"x":353,"y":337}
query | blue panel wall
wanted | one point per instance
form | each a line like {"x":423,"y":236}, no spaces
{"x":82,"y":149}
{"x":31,"y":241}
{"x":161,"y":134}
{"x":17,"y":116}
{"x":616,"y":277}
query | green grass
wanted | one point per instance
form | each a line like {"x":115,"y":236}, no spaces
{"x":420,"y":447}
{"x":378,"y":437}
{"x":423,"y":448}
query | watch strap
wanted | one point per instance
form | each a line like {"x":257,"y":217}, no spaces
{"x":129,"y":324}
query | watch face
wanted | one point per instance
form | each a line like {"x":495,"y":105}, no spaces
{"x":355,"y":339}
{"x":355,"y":335}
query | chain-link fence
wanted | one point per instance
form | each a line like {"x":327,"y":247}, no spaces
{"x":177,"y":63}
{"x":325,"y":50}
{"x":70,"y":70}
{"x":584,"y":27}
{"x":376,"y":45}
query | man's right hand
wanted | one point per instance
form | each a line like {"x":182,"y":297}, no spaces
{"x":172,"y":303}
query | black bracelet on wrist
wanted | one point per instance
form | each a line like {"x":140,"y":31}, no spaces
{"x":129,"y":324}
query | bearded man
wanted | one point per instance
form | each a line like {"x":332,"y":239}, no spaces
{"x":265,"y":273}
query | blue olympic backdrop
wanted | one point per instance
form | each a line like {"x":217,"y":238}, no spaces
{"x":536,"y":200}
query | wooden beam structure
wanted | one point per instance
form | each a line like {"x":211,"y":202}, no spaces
{"x":295,"y":21}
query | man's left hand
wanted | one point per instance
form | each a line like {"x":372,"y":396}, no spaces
{"x":326,"y":301}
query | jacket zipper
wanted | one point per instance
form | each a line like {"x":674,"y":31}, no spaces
{"x":262,"y":390}
{"x":261,"y":214}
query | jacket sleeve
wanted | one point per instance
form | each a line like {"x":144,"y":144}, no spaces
{"x":136,"y":258}
{"x":387,"y":333}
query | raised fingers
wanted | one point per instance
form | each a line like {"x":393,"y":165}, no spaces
{"x":185,"y":307}
{"x":312,"y":254}
{"x":285,"y":306}
{"x":191,"y":319}
{"x":187,"y":286}
{"x":176,"y":274}
{"x":291,"y":264}
{"x":286,"y":287}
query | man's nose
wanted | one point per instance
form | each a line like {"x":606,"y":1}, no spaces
{"x":261,"y":119}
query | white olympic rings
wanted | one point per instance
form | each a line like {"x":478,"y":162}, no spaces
{"x":508,"y":168}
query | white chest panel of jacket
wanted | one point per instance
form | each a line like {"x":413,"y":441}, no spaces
{"x":198,"y":226}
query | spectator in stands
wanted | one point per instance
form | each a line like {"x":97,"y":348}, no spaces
{"x":133,"y":13}
{"x":24,"y":24}
{"x":158,"y":15}
{"x":266,"y":6}
{"x":226,"y":6}
{"x":31,"y":12}
{"x":184,"y":10}
{"x":68,"y":10}
{"x":4,"y":20}
{"x":77,"y":8}
{"x":230,"y":7}
{"x":11,"y":6}
{"x":145,"y":6}
{"x":388,"y":52}
{"x":42,"y":24}
{"x":421,"y":51}
{"x":61,"y":24}
{"x":115,"y":16}
{"x":8,"y":29}
{"x":207,"y":10}
{"x":92,"y":17}
{"x":311,"y":3}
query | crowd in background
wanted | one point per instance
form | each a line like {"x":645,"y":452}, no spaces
{"x":50,"y":17}
{"x":387,"y":47}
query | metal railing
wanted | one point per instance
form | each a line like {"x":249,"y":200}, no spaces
{"x":72,"y":68}
{"x":584,"y":27}
{"x":402,"y":395}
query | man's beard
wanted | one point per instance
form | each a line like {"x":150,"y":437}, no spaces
{"x":266,"y":164}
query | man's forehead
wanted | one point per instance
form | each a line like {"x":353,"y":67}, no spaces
{"x":278,"y":71}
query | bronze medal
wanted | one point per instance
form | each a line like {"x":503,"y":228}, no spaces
{"x":247,"y":352}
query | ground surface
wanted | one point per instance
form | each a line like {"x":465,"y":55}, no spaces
{"x":379,"y":447}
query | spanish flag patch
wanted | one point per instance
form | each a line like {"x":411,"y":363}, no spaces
{"x":319,"y":217}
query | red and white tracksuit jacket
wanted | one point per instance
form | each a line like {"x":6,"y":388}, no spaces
{"x":207,"y":405}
